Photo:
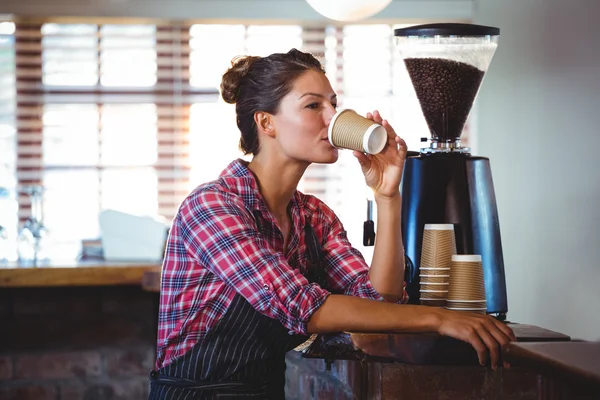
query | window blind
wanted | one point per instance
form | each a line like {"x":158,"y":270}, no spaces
{"x":8,"y":217}
{"x":129,"y":117}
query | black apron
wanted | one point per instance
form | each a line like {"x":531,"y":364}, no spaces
{"x":242,"y":356}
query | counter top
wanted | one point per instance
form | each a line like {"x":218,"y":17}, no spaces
{"x":574,"y":362}
{"x":75,"y":273}
{"x":414,"y":348}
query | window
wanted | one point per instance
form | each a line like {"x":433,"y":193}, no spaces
{"x":8,"y":142}
{"x":99,"y":123}
{"x":129,"y":117}
{"x":212,"y":123}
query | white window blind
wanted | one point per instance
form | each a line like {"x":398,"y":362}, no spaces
{"x":8,"y":149}
{"x":7,"y":105}
{"x":102,"y":122}
{"x":129,"y":117}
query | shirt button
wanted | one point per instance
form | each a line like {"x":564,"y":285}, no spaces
{"x":266,"y":287}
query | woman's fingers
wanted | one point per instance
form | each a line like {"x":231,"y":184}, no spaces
{"x":482,"y":352}
{"x":495,"y":334}
{"x":505,"y":329}
{"x":377,"y":117}
{"x":494,"y":327}
{"x":363,"y":160}
{"x":492,"y":345}
{"x":389,"y":130}
{"x":486,"y":334}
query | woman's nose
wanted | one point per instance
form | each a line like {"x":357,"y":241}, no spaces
{"x":329,"y":113}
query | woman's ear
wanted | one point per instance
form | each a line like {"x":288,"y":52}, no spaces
{"x":264,"y":123}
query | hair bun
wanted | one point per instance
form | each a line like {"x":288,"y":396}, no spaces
{"x":232,"y":79}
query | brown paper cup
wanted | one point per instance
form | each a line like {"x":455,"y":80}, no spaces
{"x":466,"y":278}
{"x":434,"y":271}
{"x":465,"y":291}
{"x":439,"y":245}
{"x":348,"y":130}
{"x":472,"y":310}
{"x":433,"y":294}
{"x":466,"y":304}
{"x":434,"y":286}
{"x":433,"y":302}
{"x":434,"y":278}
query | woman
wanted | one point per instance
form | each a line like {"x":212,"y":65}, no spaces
{"x":253,"y":266}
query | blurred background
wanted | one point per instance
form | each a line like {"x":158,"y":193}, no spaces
{"x":115,"y":105}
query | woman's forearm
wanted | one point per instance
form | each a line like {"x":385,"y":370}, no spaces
{"x":387,"y":268}
{"x":341,"y":313}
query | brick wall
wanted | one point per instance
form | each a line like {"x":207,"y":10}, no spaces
{"x":76,"y":343}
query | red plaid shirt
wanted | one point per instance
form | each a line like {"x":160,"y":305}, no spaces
{"x":216,"y":249}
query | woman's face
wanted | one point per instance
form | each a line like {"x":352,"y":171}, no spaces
{"x":303,"y":118}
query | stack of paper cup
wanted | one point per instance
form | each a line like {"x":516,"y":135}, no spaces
{"x":466,"y":291}
{"x":439,"y":245}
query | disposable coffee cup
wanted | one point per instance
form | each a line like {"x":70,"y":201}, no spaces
{"x":433,"y":302}
{"x":433,"y":286}
{"x":466,"y":278}
{"x":471,"y":310}
{"x":434,"y":278}
{"x":433,"y":294}
{"x":466,"y":304}
{"x":435,"y":271}
{"x":438,"y":246}
{"x":348,"y":130}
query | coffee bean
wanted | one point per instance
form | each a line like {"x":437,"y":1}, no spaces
{"x":446,"y":90}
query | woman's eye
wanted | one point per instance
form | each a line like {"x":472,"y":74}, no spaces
{"x":313,"y":106}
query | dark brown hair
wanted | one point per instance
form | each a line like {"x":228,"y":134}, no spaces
{"x":258,"y":84}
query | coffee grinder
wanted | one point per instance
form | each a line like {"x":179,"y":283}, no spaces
{"x":444,"y":183}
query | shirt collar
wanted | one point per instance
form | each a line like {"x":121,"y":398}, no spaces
{"x":242,"y":181}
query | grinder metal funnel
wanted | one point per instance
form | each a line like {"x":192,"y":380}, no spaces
{"x":446,"y":63}
{"x":443,"y":183}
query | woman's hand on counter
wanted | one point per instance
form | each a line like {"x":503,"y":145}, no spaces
{"x":485,"y":333}
{"x":347,"y":313}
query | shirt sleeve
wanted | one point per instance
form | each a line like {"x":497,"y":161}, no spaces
{"x":221,"y":234}
{"x":346,"y":267}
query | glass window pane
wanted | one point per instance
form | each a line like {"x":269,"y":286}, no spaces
{"x":75,"y":43}
{"x":69,"y":29}
{"x":214,"y":140}
{"x":129,"y":135}
{"x":128,"y":67}
{"x":71,"y":207}
{"x":128,"y":55}
{"x":70,"y":135}
{"x":8,"y":143}
{"x":69,"y":55}
{"x":267,"y":39}
{"x":332,"y":47}
{"x":133,"y":191}
{"x":212,"y":49}
{"x":367,"y":58}
{"x":7,"y":28}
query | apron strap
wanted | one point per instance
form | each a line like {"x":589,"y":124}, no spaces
{"x":157,"y":378}
{"x":315,"y":268}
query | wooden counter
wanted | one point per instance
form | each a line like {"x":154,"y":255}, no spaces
{"x":424,"y":366}
{"x":414,"y":348}
{"x":75,"y":273}
{"x":569,"y":370}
